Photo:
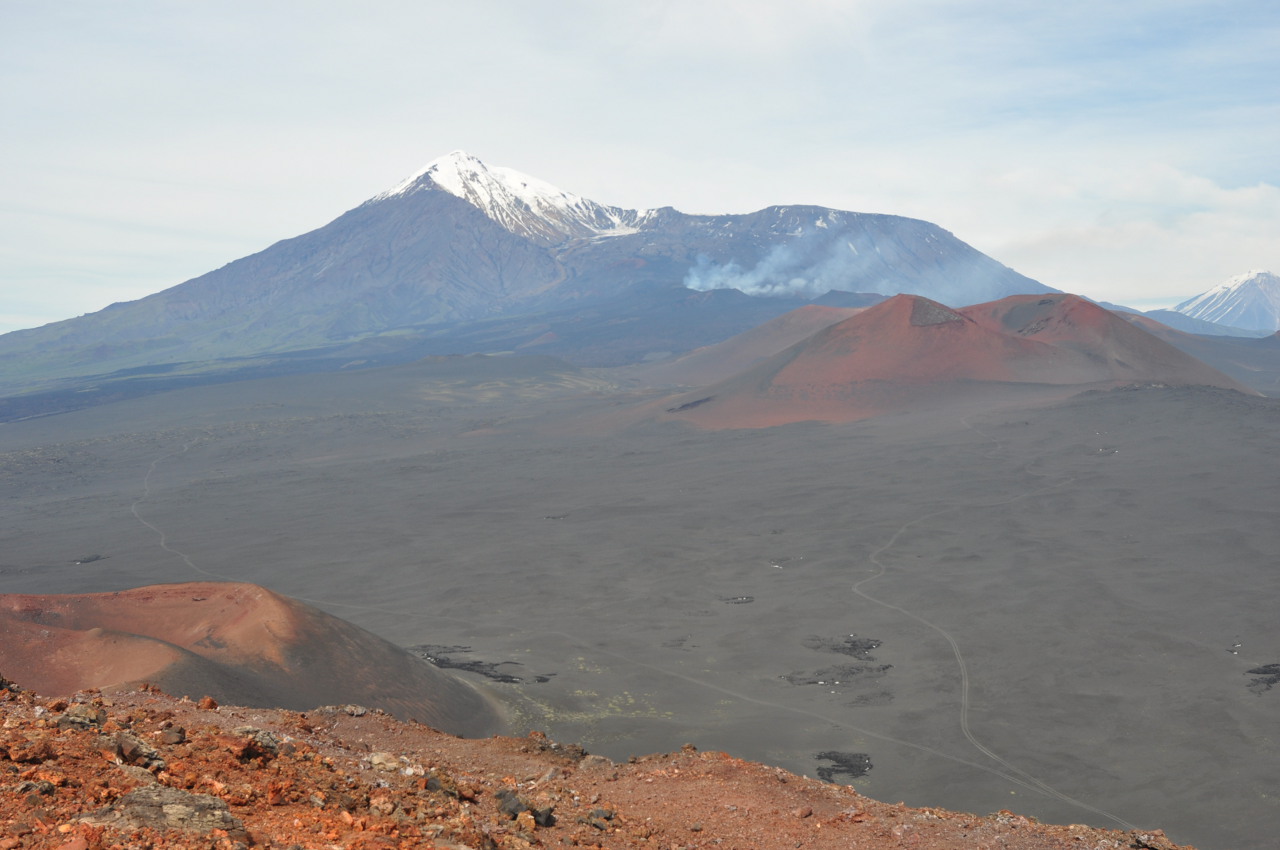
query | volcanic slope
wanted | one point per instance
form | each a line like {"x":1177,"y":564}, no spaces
{"x":910,"y":352}
{"x":232,"y":641}
{"x":436,"y":260}
{"x":1251,"y":361}
{"x":724,"y":359}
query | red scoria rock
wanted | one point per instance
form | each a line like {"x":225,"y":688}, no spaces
{"x":243,"y":777}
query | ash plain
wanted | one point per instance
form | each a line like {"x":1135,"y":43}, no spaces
{"x":1050,"y":608}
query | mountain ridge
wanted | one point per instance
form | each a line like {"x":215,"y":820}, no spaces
{"x":461,"y":244}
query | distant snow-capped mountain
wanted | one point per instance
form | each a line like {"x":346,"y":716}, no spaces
{"x":1250,"y":301}
{"x":524,"y":205}
{"x":465,"y":257}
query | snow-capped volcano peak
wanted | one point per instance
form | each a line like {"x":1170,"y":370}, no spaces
{"x":522,"y":204}
{"x":1250,"y":301}
{"x":1253,"y":276}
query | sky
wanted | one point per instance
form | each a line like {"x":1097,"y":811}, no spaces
{"x":1123,"y":151}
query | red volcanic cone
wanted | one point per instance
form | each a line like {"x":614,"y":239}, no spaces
{"x":909,"y":352}
{"x":235,"y":642}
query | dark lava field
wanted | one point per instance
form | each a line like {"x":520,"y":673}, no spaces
{"x":1065,"y":608}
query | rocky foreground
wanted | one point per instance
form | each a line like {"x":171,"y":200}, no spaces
{"x":141,"y":769}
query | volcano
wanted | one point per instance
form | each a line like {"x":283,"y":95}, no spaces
{"x":910,"y":352}
{"x":463,"y":257}
{"x":235,"y":642}
{"x":724,"y":359}
{"x":1250,"y":301}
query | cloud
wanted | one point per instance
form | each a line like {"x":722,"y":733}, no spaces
{"x":1141,"y":233}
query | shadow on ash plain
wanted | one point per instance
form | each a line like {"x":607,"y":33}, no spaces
{"x":1051,"y":610}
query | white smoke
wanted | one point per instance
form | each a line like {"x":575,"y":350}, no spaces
{"x":795,"y":269}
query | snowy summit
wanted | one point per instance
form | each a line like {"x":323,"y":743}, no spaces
{"x":1250,"y":301}
{"x":522,"y":204}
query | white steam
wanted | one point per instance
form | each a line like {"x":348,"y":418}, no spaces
{"x":796,"y":269}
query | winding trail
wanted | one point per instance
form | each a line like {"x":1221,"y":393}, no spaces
{"x":194,"y":567}
{"x":839,"y":723}
{"x":164,"y":540}
{"x":187,"y":559}
{"x":1004,"y":768}
{"x":1025,"y":778}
